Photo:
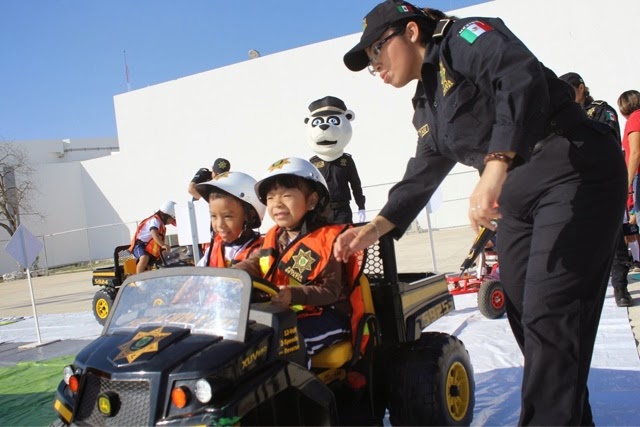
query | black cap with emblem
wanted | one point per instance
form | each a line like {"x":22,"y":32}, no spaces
{"x":572,"y":78}
{"x":327,"y":106}
{"x":375,"y":24}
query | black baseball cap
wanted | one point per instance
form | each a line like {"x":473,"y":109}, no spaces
{"x":327,"y":106}
{"x":221,"y":165}
{"x":375,"y":24}
{"x":572,"y":78}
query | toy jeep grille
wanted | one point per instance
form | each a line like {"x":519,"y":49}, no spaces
{"x":132,"y":406}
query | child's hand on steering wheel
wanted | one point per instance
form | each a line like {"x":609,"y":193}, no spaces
{"x":283,"y":298}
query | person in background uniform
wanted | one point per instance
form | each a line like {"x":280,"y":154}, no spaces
{"x":484,"y":100}
{"x":203,"y":175}
{"x":148,"y":243}
{"x":604,"y":113}
{"x":297,"y":256}
{"x":328,"y":133}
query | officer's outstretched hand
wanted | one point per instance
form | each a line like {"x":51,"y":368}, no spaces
{"x":361,"y":216}
{"x":358,"y":238}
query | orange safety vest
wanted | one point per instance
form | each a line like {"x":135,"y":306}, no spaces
{"x":303,"y":260}
{"x":216,"y":254}
{"x":152,"y":247}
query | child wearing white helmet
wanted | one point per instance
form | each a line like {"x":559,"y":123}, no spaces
{"x":235,"y":213}
{"x":297,"y":253}
{"x":148,"y":242}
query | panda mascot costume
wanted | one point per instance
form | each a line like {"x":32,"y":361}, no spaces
{"x":328,"y":133}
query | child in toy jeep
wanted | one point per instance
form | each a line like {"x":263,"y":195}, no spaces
{"x":296,"y":254}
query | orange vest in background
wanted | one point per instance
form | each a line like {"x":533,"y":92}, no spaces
{"x":216,"y":254}
{"x":152,"y":247}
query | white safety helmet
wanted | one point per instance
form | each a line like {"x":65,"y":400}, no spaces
{"x":237,"y":184}
{"x":298,"y":167}
{"x":169,"y":208}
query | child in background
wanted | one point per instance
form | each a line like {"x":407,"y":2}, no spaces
{"x":235,"y":213}
{"x":148,"y":243}
{"x":297,"y":253}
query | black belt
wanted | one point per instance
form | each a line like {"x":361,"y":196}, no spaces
{"x":338,"y":205}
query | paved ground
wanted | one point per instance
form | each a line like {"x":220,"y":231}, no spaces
{"x":73,"y":292}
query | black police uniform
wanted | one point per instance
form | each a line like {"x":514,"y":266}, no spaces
{"x":486,"y":92}
{"x":604,"y":113}
{"x":336,"y":173}
{"x":203,"y":175}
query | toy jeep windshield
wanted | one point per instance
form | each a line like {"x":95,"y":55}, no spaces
{"x":219,"y":353}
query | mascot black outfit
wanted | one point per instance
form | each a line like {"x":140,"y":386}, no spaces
{"x":328,"y":133}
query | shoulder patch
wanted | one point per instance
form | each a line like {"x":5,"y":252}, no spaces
{"x":473,"y":30}
{"x":611,"y":116}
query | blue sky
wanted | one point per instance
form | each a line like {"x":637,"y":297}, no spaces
{"x":62,"y":61}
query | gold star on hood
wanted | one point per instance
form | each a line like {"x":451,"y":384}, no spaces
{"x":142,"y":342}
{"x":303,"y":261}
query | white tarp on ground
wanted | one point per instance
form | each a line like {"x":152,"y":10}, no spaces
{"x":614,"y":382}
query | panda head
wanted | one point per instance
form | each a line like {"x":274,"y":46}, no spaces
{"x":329,"y":127}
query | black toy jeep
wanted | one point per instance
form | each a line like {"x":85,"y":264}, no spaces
{"x":216,"y":355}
{"x":124,"y":265}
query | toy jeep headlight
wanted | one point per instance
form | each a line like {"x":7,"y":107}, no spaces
{"x":67,"y":373}
{"x":203,"y":390}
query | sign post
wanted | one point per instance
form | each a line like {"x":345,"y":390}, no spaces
{"x":24,"y":247}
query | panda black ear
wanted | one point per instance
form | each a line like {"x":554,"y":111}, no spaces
{"x":306,"y":120}
{"x":350,"y":115}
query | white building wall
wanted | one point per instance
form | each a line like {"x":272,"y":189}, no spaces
{"x":252,"y":113}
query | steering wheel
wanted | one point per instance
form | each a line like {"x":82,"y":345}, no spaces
{"x":262,"y":290}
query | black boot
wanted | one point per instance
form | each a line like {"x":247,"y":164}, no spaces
{"x":623,"y":298}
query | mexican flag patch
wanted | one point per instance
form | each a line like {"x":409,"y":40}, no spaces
{"x":611,"y":117}
{"x":473,"y":30}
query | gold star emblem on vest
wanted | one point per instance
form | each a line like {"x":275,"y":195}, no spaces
{"x":446,"y":83}
{"x":303,"y":261}
{"x":142,"y":342}
{"x":591,"y":112}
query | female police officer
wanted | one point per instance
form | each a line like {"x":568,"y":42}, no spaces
{"x":484,"y":100}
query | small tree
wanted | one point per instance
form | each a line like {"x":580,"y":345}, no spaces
{"x":16,"y":185}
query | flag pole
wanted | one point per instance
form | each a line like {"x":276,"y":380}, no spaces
{"x":126,"y":71}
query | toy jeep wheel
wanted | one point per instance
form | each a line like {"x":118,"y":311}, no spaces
{"x":431,"y":382}
{"x":159,"y":299}
{"x":491,"y":299}
{"x":102,"y":302}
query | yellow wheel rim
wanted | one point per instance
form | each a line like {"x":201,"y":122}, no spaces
{"x":158,"y":301}
{"x":458,"y":391}
{"x":102,"y":308}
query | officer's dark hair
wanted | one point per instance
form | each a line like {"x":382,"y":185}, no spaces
{"x":628,"y":102}
{"x":316,"y":217}
{"x":249,"y":211}
{"x":426,"y":25}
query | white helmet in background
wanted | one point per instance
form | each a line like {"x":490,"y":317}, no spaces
{"x":169,"y":208}
{"x":298,"y":167}
{"x":239,"y":185}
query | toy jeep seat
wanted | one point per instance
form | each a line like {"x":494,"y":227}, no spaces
{"x":342,"y":352}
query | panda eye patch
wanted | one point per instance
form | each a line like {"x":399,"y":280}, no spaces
{"x":333,"y":120}
{"x":317,"y":121}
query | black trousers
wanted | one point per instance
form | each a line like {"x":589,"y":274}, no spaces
{"x":341,"y":215}
{"x":561,"y":219}
{"x":620,"y":267}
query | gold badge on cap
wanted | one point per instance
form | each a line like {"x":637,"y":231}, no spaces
{"x":279,"y":164}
